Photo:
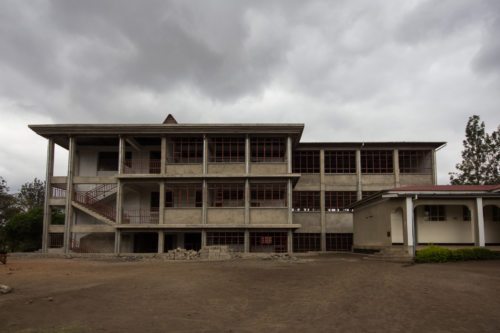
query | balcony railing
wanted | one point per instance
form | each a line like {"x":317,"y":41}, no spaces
{"x":58,"y":192}
{"x":142,"y":166}
{"x":93,"y":203}
{"x":141,"y":216}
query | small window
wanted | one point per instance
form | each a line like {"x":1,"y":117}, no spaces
{"x":306,"y":161}
{"x":466,"y":216}
{"x":340,"y":161}
{"x":435,"y":213}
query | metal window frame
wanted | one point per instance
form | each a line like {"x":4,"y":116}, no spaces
{"x":306,"y":201}
{"x":183,"y":195}
{"x":306,"y":161}
{"x":377,"y":161}
{"x":276,"y":192}
{"x":337,"y":201}
{"x":410,"y":161}
{"x":217,"y":194}
{"x":340,"y":161}
{"x":227,"y":149}
{"x":267,"y":149}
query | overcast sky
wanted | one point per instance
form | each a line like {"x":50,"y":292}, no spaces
{"x":349,"y":70}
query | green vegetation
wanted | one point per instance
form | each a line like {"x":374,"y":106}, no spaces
{"x":439,"y":254}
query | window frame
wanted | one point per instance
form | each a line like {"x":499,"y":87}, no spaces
{"x":306,"y":161}
{"x":276,"y":192}
{"x":306,"y":201}
{"x":338,"y":201}
{"x":236,"y":193}
{"x":340,"y":161}
{"x":377,"y":161}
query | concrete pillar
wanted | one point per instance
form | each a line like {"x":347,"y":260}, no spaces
{"x":203,"y":238}
{"x":121,"y":155}
{"x":290,"y":242}
{"x":204,"y":204}
{"x":161,"y":213}
{"x":395,"y":157}
{"x":247,"y":241}
{"x":119,"y":202}
{"x":163,"y":154}
{"x":47,"y":212}
{"x":479,"y":238}
{"x":290,"y":202}
{"x":409,"y":228}
{"x":205,"y":154}
{"x":247,"y":154}
{"x":247,"y":201}
{"x":161,"y":241}
{"x":434,"y":168}
{"x":322,"y":199}
{"x":359,"y":184}
{"x":118,"y":241}
{"x":69,"y":195}
{"x":289,"y":153}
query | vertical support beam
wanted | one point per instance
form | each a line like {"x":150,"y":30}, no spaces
{"x":162,"y":203}
{"x":203,"y":238}
{"x":289,"y":156}
{"x":205,"y":154}
{"x":47,"y":213}
{"x":204,"y":204}
{"x":289,"y":202}
{"x":121,"y":155}
{"x":119,"y":202}
{"x":434,"y":167}
{"x":247,"y":154}
{"x":479,"y":238}
{"x":161,"y":241}
{"x":163,"y":155}
{"x":118,"y":241}
{"x":395,"y":163}
{"x":322,"y":199}
{"x":246,"y":241}
{"x":359,"y":184}
{"x":290,"y":242}
{"x":247,"y":201}
{"x":409,"y":226}
{"x":69,"y":195}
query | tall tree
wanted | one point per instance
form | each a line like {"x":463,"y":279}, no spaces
{"x":7,"y":202}
{"x":478,"y":166}
{"x":32,"y":195}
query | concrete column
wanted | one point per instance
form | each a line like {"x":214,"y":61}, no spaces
{"x":322,"y":199}
{"x":289,"y":153}
{"x":204,"y":205}
{"x":290,"y":202}
{"x":247,"y":154}
{"x":119,"y":202}
{"x":434,"y":168}
{"x":395,"y":157}
{"x":409,"y":226}
{"x":161,"y":241}
{"x":358,"y":174}
{"x":203,"y":238}
{"x":479,"y":238}
{"x":162,"y":203}
{"x":290,"y":242}
{"x":247,"y":241}
{"x":121,"y":155}
{"x":247,"y":201}
{"x":69,"y":195}
{"x":47,"y":212}
{"x":205,"y":154}
{"x":163,"y":154}
{"x":118,"y":241}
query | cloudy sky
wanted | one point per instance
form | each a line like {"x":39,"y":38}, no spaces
{"x":350,"y":70}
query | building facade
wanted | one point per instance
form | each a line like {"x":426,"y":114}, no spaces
{"x":149,"y":188}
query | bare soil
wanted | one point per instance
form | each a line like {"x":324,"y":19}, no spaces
{"x":342,"y":293}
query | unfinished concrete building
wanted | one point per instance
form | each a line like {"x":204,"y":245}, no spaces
{"x":149,"y":188}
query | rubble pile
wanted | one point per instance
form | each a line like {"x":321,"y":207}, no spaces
{"x":215,"y":252}
{"x":181,"y":254}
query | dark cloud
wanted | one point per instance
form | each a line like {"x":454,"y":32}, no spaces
{"x":349,"y":70}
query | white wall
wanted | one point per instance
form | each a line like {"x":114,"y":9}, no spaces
{"x":453,"y":230}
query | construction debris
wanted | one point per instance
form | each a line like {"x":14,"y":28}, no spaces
{"x":215,"y":252}
{"x":181,"y":254}
{"x":4,"y":289}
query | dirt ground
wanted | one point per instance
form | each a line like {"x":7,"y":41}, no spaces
{"x":341,"y":293}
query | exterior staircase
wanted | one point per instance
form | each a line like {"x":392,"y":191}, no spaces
{"x":91,"y":203}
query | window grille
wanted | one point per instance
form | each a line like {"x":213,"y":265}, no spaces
{"x":340,"y":161}
{"x":268,"y":242}
{"x":267,"y":149}
{"x":377,"y":161}
{"x":187,"y":150}
{"x":434,"y":213}
{"x":235,"y":240}
{"x":227,"y":149}
{"x":56,"y":240}
{"x":415,"y":161}
{"x":338,"y":242}
{"x":306,"y":201}
{"x":306,"y":161}
{"x":303,"y":242}
{"x":336,"y":201}
{"x":226,"y":195}
{"x":268,"y":195}
{"x":183,"y":195}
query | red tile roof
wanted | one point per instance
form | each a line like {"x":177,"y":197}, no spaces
{"x":446,"y":188}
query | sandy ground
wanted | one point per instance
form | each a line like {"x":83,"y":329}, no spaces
{"x":340,"y":293}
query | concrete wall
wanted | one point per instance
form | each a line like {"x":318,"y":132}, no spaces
{"x":310,"y":221}
{"x":375,"y":182}
{"x":340,"y":182}
{"x":308,"y":182}
{"x":226,"y":168}
{"x":96,"y":242}
{"x":268,"y":168}
{"x":226,"y":215}
{"x":184,"y":169}
{"x":412,"y":179}
{"x":268,"y":215}
{"x":491,"y":228}
{"x":339,"y":222}
{"x":453,"y":230}
{"x":183,"y":216}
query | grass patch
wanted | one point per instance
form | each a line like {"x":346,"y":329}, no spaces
{"x":440,"y":254}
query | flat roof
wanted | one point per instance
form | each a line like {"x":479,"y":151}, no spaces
{"x":372,"y":144}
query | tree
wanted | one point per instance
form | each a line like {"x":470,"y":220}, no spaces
{"x":23,"y":231}
{"x":7,"y":202}
{"x":480,"y":163}
{"x":32,"y":195}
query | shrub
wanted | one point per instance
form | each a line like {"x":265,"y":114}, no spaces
{"x":439,"y":254}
